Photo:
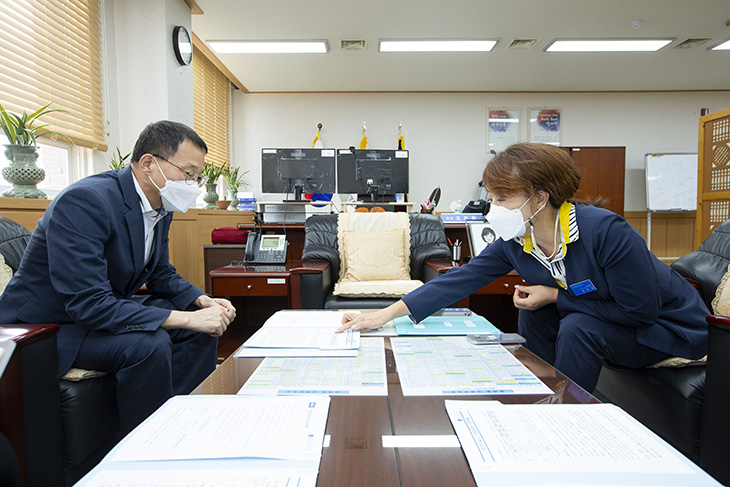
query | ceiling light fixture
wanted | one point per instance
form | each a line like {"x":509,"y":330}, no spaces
{"x":442,"y":45}
{"x":606,"y":45}
{"x":725,"y":46}
{"x":269,"y":47}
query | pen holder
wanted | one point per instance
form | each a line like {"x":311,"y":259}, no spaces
{"x":456,"y":253}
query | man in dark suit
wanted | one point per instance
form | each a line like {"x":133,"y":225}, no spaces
{"x":99,"y":240}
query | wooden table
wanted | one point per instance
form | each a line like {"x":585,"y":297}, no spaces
{"x":356,"y":457}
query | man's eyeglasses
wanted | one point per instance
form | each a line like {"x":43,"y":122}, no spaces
{"x":190,"y":177}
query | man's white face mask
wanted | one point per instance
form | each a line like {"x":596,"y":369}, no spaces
{"x":176,"y":195}
{"x":509,"y":223}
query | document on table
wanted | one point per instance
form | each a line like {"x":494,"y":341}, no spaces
{"x":566,"y":444}
{"x":220,"y":441}
{"x":208,"y":426}
{"x":363,"y":375}
{"x":313,"y":330}
{"x":440,"y":366}
{"x":445,"y":325}
{"x":219,"y":477}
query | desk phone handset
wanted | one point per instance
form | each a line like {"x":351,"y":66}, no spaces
{"x":266,"y":249}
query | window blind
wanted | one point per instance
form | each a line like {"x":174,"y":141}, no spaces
{"x":210,"y":107}
{"x":50,"y":52}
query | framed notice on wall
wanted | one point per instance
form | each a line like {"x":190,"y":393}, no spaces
{"x":503,"y":128}
{"x":545,"y":125}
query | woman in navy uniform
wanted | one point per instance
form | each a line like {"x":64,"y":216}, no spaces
{"x":593,"y":290}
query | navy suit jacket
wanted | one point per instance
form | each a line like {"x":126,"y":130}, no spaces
{"x":85,"y":260}
{"x":633,"y":287}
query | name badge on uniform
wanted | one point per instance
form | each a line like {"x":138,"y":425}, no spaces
{"x":582,"y":287}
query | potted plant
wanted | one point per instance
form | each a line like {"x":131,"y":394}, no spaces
{"x":235,"y":180}
{"x":22,"y":132}
{"x":118,"y":161}
{"x":212,"y":173}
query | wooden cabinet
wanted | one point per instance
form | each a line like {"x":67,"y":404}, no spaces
{"x":602,"y":174}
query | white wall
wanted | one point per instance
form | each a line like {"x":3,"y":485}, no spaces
{"x":446,"y":133}
{"x":144,"y":82}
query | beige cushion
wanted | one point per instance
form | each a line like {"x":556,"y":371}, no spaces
{"x":721,"y":302}
{"x":5,"y":274}
{"x":76,"y":375}
{"x":679,"y":362}
{"x":375,"y":256}
{"x":380,"y":289}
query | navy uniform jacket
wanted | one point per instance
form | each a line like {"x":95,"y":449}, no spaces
{"x":85,"y":260}
{"x":633,"y":287}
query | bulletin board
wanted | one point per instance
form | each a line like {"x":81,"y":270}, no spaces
{"x":671,"y":182}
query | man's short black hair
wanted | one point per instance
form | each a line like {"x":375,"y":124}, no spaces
{"x":164,"y":138}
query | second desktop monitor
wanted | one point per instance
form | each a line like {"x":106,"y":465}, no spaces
{"x":372,"y":174}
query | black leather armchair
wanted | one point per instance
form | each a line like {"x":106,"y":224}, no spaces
{"x":67,"y":426}
{"x":314,"y":281}
{"x":673,"y":401}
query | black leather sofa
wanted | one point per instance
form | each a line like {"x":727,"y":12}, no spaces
{"x":86,"y":411}
{"x":322,"y":261}
{"x":672,"y":401}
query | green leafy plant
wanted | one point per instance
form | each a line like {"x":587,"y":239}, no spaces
{"x":213,"y":172}
{"x":118,"y":161}
{"x":234,"y":179}
{"x":21,"y":129}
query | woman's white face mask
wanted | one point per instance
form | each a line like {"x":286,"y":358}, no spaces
{"x":177,"y":195}
{"x":509,"y":223}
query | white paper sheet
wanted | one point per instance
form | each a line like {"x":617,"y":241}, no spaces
{"x":304,"y":329}
{"x":567,"y":444}
{"x":208,"y":426}
{"x":363,"y":375}
{"x":439,"y":366}
{"x":293,"y":352}
{"x":182,"y":477}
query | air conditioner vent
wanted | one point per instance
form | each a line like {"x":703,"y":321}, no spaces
{"x":522,"y":43}
{"x":353,"y":44}
{"x":692,"y":42}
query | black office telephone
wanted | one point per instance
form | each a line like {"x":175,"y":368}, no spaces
{"x":477,"y":206}
{"x":266,"y":249}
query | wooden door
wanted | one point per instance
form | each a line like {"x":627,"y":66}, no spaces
{"x":713,"y":181}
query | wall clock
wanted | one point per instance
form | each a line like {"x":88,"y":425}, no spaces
{"x":182,"y":44}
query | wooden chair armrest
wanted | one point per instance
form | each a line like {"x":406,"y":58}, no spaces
{"x":311,"y":267}
{"x":440,"y":265}
{"x":718,"y":321}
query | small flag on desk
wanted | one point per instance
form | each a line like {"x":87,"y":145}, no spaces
{"x":364,"y":141}
{"x":401,"y":139}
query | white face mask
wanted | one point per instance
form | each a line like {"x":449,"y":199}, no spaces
{"x":509,"y":223}
{"x":177,"y":195}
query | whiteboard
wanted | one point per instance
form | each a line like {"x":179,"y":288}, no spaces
{"x":671,"y":182}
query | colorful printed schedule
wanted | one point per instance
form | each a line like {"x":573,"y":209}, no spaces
{"x":442,"y":366}
{"x":363,"y":375}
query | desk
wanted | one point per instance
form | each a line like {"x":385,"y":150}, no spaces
{"x":257,"y":291}
{"x":356,"y":457}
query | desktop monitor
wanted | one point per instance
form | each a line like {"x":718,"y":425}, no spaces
{"x":374,"y":174}
{"x":298,"y":171}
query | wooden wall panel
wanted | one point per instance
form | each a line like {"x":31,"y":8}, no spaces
{"x":25,"y":211}
{"x":672,"y":234}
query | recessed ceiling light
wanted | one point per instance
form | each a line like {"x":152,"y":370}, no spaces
{"x":606,"y":45}
{"x":411,"y":45}
{"x":725,"y":46}
{"x":269,"y":47}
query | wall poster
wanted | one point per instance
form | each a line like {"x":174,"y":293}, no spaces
{"x":545,"y":125}
{"x":503,"y":128}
